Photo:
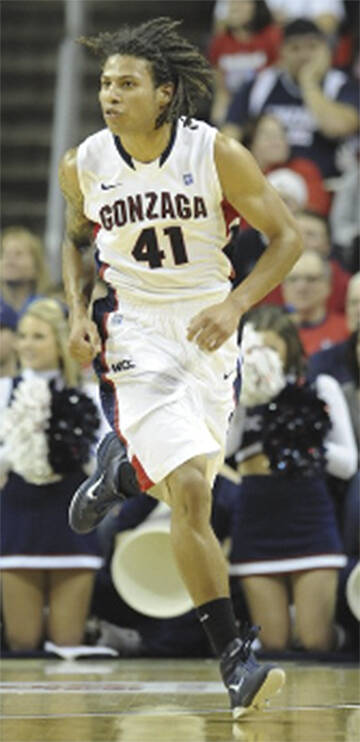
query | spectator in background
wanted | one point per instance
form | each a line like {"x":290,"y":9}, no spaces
{"x":267,"y":140}
{"x":338,"y":360}
{"x":351,"y":390}
{"x":342,"y":361}
{"x":327,"y":14}
{"x":344,"y":214}
{"x":291,"y":187}
{"x":317,"y":104}
{"x":46,"y":435}
{"x":8,"y":355}
{"x":316,"y":236}
{"x":351,"y":507}
{"x":306,"y":290}
{"x":294,"y":555}
{"x":248,"y":42}
{"x":248,"y":244}
{"x":23,"y":271}
{"x":346,"y":52}
{"x":353,"y":303}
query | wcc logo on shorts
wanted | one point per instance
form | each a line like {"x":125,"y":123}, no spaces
{"x":124,"y":365}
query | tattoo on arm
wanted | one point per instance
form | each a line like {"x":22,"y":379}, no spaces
{"x":78,"y":228}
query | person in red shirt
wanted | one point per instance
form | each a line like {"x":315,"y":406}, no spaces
{"x":249,"y":42}
{"x":266,"y":138}
{"x":305,"y":290}
{"x":316,"y":236}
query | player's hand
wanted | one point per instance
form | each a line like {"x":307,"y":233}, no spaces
{"x":214,"y":325}
{"x":84,"y":340}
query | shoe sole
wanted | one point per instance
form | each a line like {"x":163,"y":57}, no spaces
{"x":101,"y":452}
{"x":272,"y":685}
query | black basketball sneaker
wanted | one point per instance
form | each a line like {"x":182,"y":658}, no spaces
{"x":249,"y":684}
{"x":113,"y":480}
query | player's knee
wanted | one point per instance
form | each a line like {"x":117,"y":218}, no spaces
{"x":190,"y":493}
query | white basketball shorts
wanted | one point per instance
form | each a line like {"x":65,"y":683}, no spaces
{"x":169,"y":400}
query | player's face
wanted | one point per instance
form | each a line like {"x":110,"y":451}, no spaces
{"x":129,"y":100}
{"x":36,"y":345}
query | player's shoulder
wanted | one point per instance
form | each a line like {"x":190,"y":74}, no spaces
{"x":95,"y":150}
{"x":68,"y":170}
{"x":70,"y":157}
{"x":195,"y":136}
{"x":96,"y":141}
{"x":229,"y":150}
{"x":195,"y":129}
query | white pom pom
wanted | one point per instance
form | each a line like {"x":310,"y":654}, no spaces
{"x":23,"y":431}
{"x":262,"y":373}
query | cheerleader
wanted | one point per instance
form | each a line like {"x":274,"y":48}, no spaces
{"x":286,"y":437}
{"x":47,"y":429}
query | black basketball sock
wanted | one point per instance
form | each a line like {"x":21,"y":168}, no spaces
{"x":218,"y":619}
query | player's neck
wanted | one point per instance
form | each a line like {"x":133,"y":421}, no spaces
{"x":148,"y":146}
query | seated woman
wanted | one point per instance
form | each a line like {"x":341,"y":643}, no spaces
{"x":286,"y":436}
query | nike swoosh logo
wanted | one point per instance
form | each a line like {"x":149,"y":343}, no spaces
{"x":204,"y":617}
{"x":91,"y":490}
{"x":236,"y":686}
{"x":105,"y":187}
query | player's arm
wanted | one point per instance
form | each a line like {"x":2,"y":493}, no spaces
{"x":84,"y":341}
{"x":248,"y":191}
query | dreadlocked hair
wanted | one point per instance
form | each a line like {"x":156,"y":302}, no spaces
{"x":172,"y":58}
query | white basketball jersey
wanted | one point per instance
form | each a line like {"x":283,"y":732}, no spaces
{"x":161,"y":226}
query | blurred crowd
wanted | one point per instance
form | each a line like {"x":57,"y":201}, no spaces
{"x":287,"y":86}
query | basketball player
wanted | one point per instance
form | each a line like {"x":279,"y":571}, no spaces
{"x":158,"y":186}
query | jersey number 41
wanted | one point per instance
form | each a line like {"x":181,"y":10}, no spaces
{"x":147,"y":247}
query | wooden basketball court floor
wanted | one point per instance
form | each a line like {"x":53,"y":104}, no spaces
{"x":50,"y":700}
